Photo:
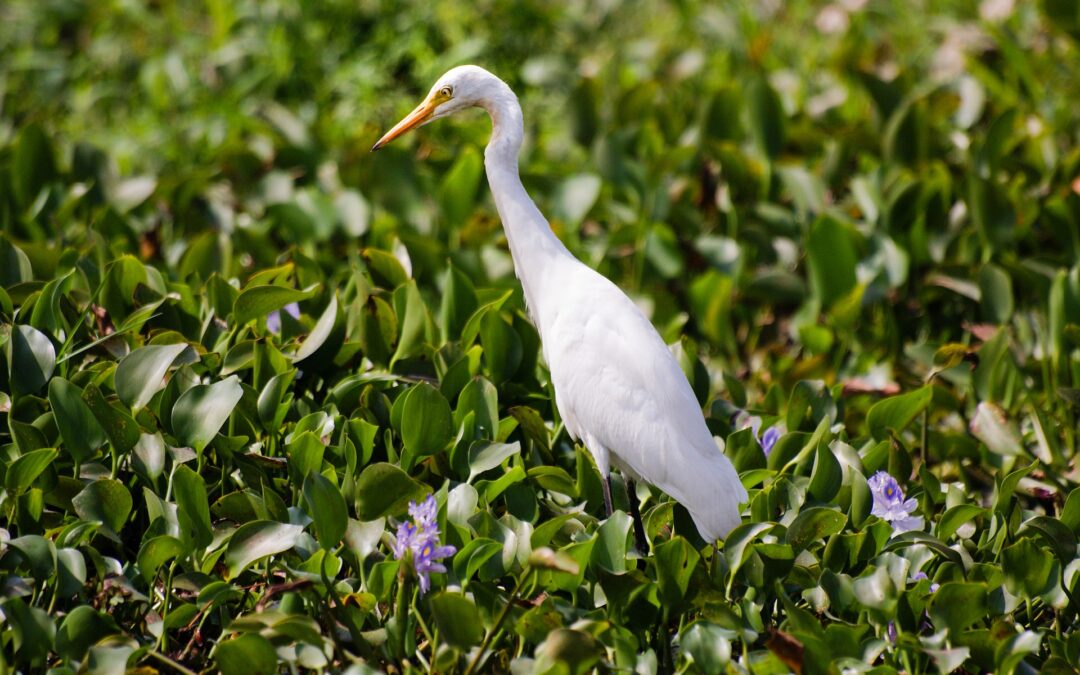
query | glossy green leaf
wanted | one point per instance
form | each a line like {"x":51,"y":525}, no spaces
{"x":426,"y":423}
{"x":259,"y":539}
{"x":81,"y":629}
{"x":106,"y":500}
{"x":831,"y":256}
{"x":327,"y":508}
{"x":193,"y":506}
{"x":894,"y":414}
{"x":26,"y":468}
{"x":246,"y":654}
{"x":201,"y":411}
{"x":141,"y":374}
{"x":31,"y":359}
{"x":814,"y":525}
{"x":486,"y":456}
{"x":956,"y":606}
{"x":385,"y":490}
{"x":458,"y":619}
{"x":256,"y":302}
{"x":79,"y":429}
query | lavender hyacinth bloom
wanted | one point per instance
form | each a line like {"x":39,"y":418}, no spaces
{"x":889,"y":503}
{"x":922,"y":575}
{"x":421,"y":538}
{"x":273,"y":319}
{"x":767,"y":440}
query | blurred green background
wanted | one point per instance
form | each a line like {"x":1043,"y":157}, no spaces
{"x":684,"y":148}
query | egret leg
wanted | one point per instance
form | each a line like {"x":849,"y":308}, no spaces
{"x":640,"y":539}
{"x":608,"y":509}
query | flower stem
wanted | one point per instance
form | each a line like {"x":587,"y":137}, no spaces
{"x":476,"y":660}
{"x":402,"y":612}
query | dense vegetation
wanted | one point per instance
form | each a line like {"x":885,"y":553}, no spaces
{"x":238,"y":345}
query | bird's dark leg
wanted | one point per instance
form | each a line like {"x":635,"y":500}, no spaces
{"x":607,"y":496}
{"x":640,"y":539}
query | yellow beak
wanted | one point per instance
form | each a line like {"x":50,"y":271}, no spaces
{"x":414,"y":119}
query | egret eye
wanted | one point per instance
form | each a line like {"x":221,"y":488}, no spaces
{"x":446,"y":92}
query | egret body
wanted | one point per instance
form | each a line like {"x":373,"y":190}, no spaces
{"x":617,"y":386}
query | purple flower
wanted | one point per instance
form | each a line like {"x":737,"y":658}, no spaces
{"x":890,"y":632}
{"x":922,"y":575}
{"x":767,"y":440}
{"x":890,"y":506}
{"x":425,"y":561}
{"x":421,"y":538}
{"x":425,"y":514}
{"x":273,"y":319}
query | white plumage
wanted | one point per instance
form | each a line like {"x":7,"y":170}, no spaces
{"x":617,"y":386}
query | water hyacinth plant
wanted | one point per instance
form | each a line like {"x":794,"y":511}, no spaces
{"x":890,"y":505}
{"x":418,"y":542}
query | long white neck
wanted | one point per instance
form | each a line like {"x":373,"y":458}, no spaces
{"x":533,"y":246}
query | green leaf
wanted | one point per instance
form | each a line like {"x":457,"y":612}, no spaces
{"x":24,"y":470}
{"x":202,"y":410}
{"x":502,"y":347}
{"x":827,"y":475}
{"x":476,"y":553}
{"x":1070,"y":513}
{"x":32,"y":630}
{"x":567,"y":650}
{"x":327,"y":509}
{"x":31,"y":359}
{"x":39,"y":554}
{"x":707,"y":646}
{"x":193,"y":506}
{"x":324,"y":340}
{"x":33,"y":164}
{"x":255,"y":302}
{"x":426,"y":425}
{"x":1055,"y":533}
{"x":141,"y":374}
{"x":957,"y":605}
{"x":248,"y":654}
{"x":259,"y":539}
{"x":385,"y":490}
{"x":995,"y":287}
{"x":457,"y":618}
{"x":766,"y":117}
{"x":479,"y":397}
{"x":1028,"y":568}
{"x":274,"y":399}
{"x":457,"y":193}
{"x":575,"y":196}
{"x":79,"y":429}
{"x":955,"y":517}
{"x":609,"y":553}
{"x":105,"y":500}
{"x":486,"y":456}
{"x":119,"y":427}
{"x":412,"y":313}
{"x":676,"y":560}
{"x":81,"y":629}
{"x":458,"y":303}
{"x":814,"y":524}
{"x":894,"y":414}
{"x":830,"y":251}
{"x":156,"y":552}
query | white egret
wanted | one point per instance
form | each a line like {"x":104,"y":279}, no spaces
{"x":617,"y":386}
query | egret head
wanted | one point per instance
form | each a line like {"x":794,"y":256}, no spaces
{"x":459,"y":88}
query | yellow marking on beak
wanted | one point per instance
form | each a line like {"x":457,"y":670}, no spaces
{"x":417,"y":117}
